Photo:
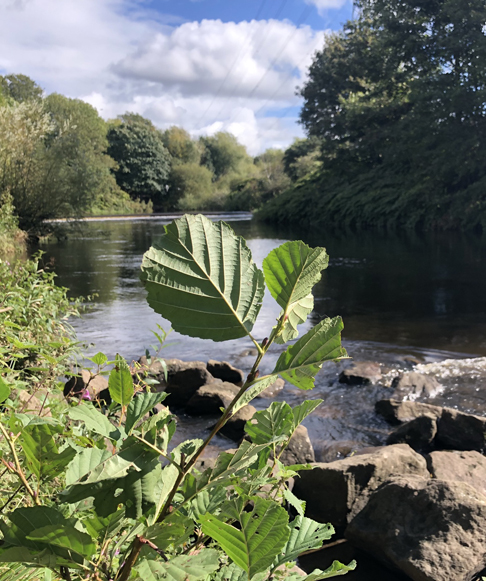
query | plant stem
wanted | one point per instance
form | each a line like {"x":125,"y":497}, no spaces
{"x":19,"y":471}
{"x":126,"y":569}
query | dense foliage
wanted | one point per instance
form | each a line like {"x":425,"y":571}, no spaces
{"x":98,"y":493}
{"x":396,"y":100}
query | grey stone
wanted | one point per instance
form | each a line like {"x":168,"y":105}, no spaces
{"x":469,"y":467}
{"x":299,"y":450}
{"x":461,"y":431}
{"x":235,"y":426}
{"x":361,"y":373}
{"x":226,"y":372}
{"x":184,"y":378}
{"x":396,"y":412}
{"x":431,"y":530}
{"x":335,"y":491}
{"x":419,"y":434}
{"x":413,"y":384}
{"x":209,"y":399}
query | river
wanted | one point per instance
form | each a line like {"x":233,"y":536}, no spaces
{"x":400,"y":295}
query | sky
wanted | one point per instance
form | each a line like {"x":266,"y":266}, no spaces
{"x":204,"y":65}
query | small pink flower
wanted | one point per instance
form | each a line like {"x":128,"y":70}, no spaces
{"x":86,"y":395}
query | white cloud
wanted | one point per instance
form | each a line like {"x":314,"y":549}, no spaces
{"x":324,"y":5}
{"x":118,"y":56}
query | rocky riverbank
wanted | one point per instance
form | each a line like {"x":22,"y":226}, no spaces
{"x":417,"y":504}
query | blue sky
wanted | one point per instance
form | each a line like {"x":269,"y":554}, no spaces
{"x":205,"y":65}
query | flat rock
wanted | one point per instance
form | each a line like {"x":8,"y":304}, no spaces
{"x":335,"y":491}
{"x":461,"y":431}
{"x":210,"y":398}
{"x":396,"y":412}
{"x":361,"y":373}
{"x":226,"y":372}
{"x":299,"y":450}
{"x":235,"y":426}
{"x":469,"y":467}
{"x":419,"y":434}
{"x":94,"y":387}
{"x":431,"y":530}
{"x":413,"y":384}
{"x":184,"y":378}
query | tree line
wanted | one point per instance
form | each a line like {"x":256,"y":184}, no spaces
{"x":397,"y":103}
{"x":59,"y":158}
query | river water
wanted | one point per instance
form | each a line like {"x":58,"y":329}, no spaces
{"x":400,"y":295}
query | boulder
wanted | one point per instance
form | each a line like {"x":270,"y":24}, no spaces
{"x":361,"y":373}
{"x":396,"y":412}
{"x":419,"y":434}
{"x":431,"y":530}
{"x":299,"y":450}
{"x":469,"y":467}
{"x":338,"y":490}
{"x":235,"y":426}
{"x":184,"y":378}
{"x":209,"y":399}
{"x":273,"y":389}
{"x":31,"y":404}
{"x":226,"y":372}
{"x":461,"y":431}
{"x":412,"y":385}
{"x":94,"y":387}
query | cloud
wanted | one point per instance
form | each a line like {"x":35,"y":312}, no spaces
{"x":119,"y":56}
{"x":324,"y":5}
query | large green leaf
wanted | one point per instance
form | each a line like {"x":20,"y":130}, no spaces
{"x":4,"y":390}
{"x":201,"y":277}
{"x":256,"y":389}
{"x":120,"y":382}
{"x":305,"y":535}
{"x":291,"y":271}
{"x":141,"y":405}
{"x":269,"y":424}
{"x":84,"y":462}
{"x":94,"y":420}
{"x":301,"y":361}
{"x":41,"y":452}
{"x":181,"y":568}
{"x":66,"y":537}
{"x":262,"y":535}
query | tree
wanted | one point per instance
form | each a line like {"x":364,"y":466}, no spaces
{"x":20,"y":88}
{"x":302,"y":157}
{"x":191,"y":187}
{"x":143,"y":161}
{"x":180,"y":145}
{"x":222,"y":154}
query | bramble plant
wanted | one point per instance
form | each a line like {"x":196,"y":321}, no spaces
{"x":107,"y":499}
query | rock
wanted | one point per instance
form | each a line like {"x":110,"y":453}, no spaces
{"x":235,"y":426}
{"x":461,"y":431}
{"x":226,"y":372}
{"x":209,"y":399}
{"x":469,"y":467}
{"x":396,"y":412}
{"x":413,"y":384}
{"x":273,"y":389}
{"x":96,"y":386}
{"x":184,"y":378}
{"x":299,"y":450}
{"x":431,"y":530}
{"x":361,"y":372}
{"x":338,"y":490}
{"x":330,"y":450}
{"x":31,"y":404}
{"x":419,"y":434}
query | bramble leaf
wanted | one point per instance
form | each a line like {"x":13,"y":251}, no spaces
{"x":271,"y":423}
{"x":120,"y":382}
{"x":201,"y":277}
{"x":141,"y":405}
{"x":180,"y":568}
{"x":300,"y":362}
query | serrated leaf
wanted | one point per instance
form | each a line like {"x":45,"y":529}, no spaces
{"x":99,"y":359}
{"x":267,"y":425}
{"x":305,"y":535}
{"x":4,"y":390}
{"x":300,"y":363}
{"x":296,"y":503}
{"x":104,"y":528}
{"x":256,"y":389}
{"x":65,"y":537}
{"x":120,"y":382}
{"x":141,"y":405}
{"x":94,"y":420}
{"x":263,"y":533}
{"x":181,"y":568}
{"x":335,"y":570}
{"x":301,"y":411}
{"x":41,"y":452}
{"x":201,"y":277}
{"x":84,"y":462}
{"x":291,"y":271}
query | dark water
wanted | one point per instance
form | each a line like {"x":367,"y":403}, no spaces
{"x":399,"y":295}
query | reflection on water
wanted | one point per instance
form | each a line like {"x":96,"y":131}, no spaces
{"x":399,"y":294}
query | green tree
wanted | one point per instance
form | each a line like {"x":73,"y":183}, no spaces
{"x":143,"y":163}
{"x":20,"y":88}
{"x":302,"y":157}
{"x":222,"y":154}
{"x":191,"y":187}
{"x":180,"y":145}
